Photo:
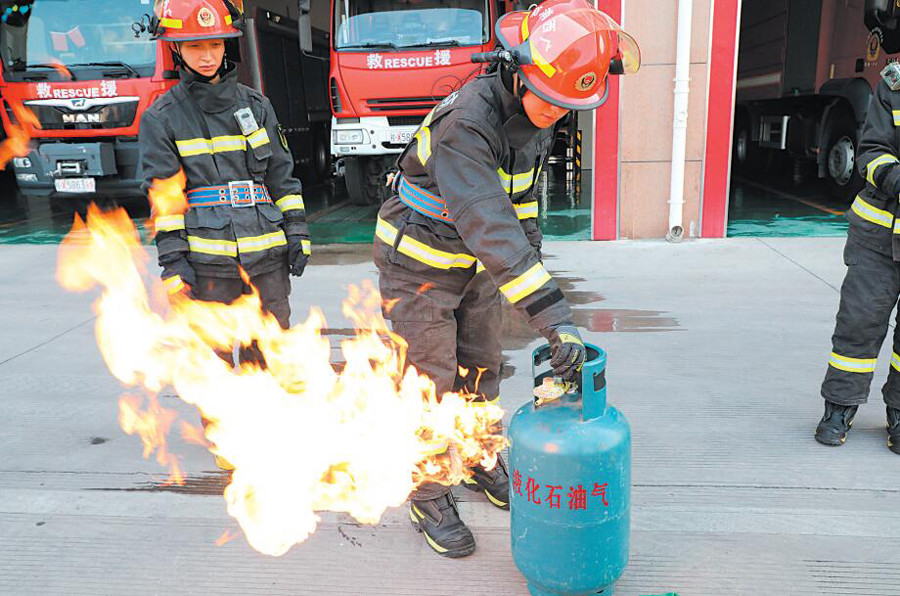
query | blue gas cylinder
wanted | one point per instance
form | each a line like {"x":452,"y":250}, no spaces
{"x":570,"y":498}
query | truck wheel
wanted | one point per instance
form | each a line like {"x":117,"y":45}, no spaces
{"x":842,"y":175}
{"x":361,"y":184}
{"x":321,"y":157}
{"x":746,"y":155}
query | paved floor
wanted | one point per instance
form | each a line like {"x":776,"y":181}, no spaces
{"x":716,"y":350}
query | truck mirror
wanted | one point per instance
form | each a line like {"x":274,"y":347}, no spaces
{"x":305,"y":25}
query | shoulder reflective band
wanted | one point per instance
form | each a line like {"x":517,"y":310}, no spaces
{"x":526,"y":284}
{"x":896,"y":114}
{"x":881,"y":160}
{"x":168,"y":223}
{"x":420,"y":251}
{"x":853,"y":365}
{"x":258,"y":138}
{"x":290,"y":202}
{"x":869,"y":213}
{"x":173,"y":284}
{"x":423,"y":138}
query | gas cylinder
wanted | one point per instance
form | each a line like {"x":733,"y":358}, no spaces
{"x":570,"y":465}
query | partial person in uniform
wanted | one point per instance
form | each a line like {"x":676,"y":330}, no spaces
{"x":871,"y":286}
{"x":463,"y":222}
{"x":245,"y":209}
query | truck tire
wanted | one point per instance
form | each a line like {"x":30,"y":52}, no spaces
{"x":321,"y":156}
{"x":361,"y":180}
{"x":746,"y":156}
{"x":841,"y":173}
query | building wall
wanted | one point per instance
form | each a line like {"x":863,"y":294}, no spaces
{"x":646,"y":115}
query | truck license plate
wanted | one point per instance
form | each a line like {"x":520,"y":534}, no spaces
{"x":75,"y":185}
{"x":401,"y":137}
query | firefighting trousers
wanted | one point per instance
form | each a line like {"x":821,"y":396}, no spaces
{"x":447,"y":331}
{"x":869,"y":293}
{"x":274,"y":289}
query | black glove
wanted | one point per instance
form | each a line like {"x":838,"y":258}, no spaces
{"x":567,"y":352}
{"x":297,"y":259}
{"x":180,"y":267}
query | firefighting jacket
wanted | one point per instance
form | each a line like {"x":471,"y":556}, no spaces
{"x":479,"y":153}
{"x":873,"y":215}
{"x":194,"y":127}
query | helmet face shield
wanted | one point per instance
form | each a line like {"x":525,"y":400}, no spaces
{"x":566,"y":49}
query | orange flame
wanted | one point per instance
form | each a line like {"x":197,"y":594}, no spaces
{"x":302,"y":436}
{"x":18,"y":139}
{"x":152,"y":425}
{"x":167,"y":198}
{"x":62,"y":69}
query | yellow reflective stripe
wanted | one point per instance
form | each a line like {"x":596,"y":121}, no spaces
{"x":479,"y":267}
{"x":258,"y":138}
{"x":385,"y":232}
{"x":225,"y":248}
{"x":434,"y":257}
{"x":526,"y":210}
{"x":895,"y":361}
{"x":878,"y":161}
{"x":171,"y":23}
{"x":307,"y":247}
{"x":853,"y":365}
{"x":526,"y":284}
{"x":192,"y":147}
{"x":228,"y":19}
{"x":249,"y":244}
{"x":871,"y":213}
{"x":229,"y":143}
{"x":897,"y":226}
{"x":423,"y":144}
{"x":173,"y":284}
{"x":568,"y":338}
{"x":289,"y":202}
{"x":517,"y":183}
{"x":541,"y":62}
{"x":525,"y":30}
{"x":169,"y":223}
{"x":896,"y":114}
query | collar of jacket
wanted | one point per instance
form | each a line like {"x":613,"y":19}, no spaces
{"x":518,"y":128}
{"x":212,"y":98}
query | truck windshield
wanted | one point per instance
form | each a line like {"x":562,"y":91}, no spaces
{"x":37,"y":34}
{"x":390,"y":24}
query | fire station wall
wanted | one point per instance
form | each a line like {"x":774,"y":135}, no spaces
{"x":646,"y":116}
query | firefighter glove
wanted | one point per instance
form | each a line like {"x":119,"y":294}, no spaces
{"x":567,"y":352}
{"x":177,"y":274}
{"x":298,"y":255}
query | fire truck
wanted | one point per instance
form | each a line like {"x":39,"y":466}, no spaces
{"x":88,"y":69}
{"x":806,"y":73}
{"x":391,"y":63}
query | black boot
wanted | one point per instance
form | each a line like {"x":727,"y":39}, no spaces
{"x":893,"y":426}
{"x":438,"y":519}
{"x":835,"y":424}
{"x":494,"y":483}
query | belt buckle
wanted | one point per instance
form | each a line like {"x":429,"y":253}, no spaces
{"x":234,"y":192}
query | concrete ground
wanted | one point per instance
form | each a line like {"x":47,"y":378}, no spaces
{"x":716,"y":352}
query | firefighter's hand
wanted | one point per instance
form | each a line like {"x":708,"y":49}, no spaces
{"x":178,"y":276}
{"x":567,"y":352}
{"x":297,"y":257}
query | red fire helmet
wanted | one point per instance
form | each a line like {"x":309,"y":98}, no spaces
{"x":566,"y":49}
{"x":192,"y":20}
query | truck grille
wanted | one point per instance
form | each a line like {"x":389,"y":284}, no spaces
{"x":404,"y":120}
{"x":101,"y":117}
{"x":395,"y":104}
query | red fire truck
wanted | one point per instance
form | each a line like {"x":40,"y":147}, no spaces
{"x":391,"y":63}
{"x":88,"y":69}
{"x":806,"y":74}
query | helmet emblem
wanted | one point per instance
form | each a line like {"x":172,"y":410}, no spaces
{"x":206,"y":18}
{"x":586,"y":82}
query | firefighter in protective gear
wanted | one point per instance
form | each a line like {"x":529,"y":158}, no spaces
{"x":461,"y":234}
{"x":245,"y":210}
{"x":871,"y":287}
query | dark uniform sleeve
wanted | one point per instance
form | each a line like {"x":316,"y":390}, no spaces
{"x":159,"y":160}
{"x":878,"y":162}
{"x":286,"y":190}
{"x":465,"y":170}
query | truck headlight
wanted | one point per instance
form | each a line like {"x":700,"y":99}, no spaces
{"x":348,"y":137}
{"x":22,"y":162}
